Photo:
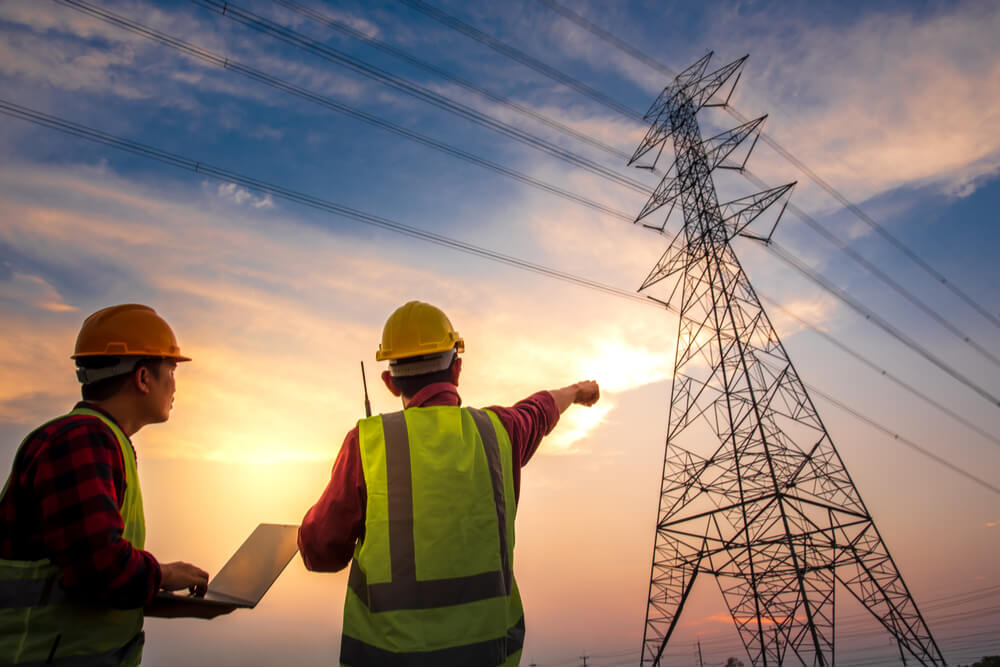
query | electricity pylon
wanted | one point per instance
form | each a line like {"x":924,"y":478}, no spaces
{"x":753,"y":491}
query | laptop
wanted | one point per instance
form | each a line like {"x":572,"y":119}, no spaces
{"x":242,"y":582}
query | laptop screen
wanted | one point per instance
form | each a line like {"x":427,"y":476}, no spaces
{"x":257,"y":564}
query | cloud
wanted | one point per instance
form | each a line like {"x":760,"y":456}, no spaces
{"x":240,"y":195}
{"x":33,"y":408}
{"x":576,"y":425}
{"x":818,"y":312}
{"x":602,"y":125}
{"x":297,"y":20}
{"x":597,"y":53}
{"x":885,"y":101}
{"x":990,"y":524}
{"x":70,"y":51}
{"x":34,"y":291}
{"x":62,"y":63}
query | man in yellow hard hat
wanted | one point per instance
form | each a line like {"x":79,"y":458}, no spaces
{"x":422,"y":502}
{"x":74,"y":577}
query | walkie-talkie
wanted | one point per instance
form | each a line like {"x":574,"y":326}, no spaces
{"x":368,"y":405}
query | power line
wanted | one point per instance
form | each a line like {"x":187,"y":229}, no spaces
{"x":455,"y":23}
{"x":789,"y":259}
{"x":850,"y":624}
{"x":521,"y":57}
{"x":608,"y":37}
{"x":55,"y":123}
{"x":787,"y":155}
{"x":294,"y":38}
{"x":871,"y":222}
{"x":902,"y":439}
{"x":297,"y":39}
{"x":882,"y":276}
{"x":930,"y":604}
{"x":883,"y":372}
{"x":345,"y":29}
{"x":188,"y":164}
{"x":272,"y":81}
{"x":232,"y":65}
{"x":846,"y":625}
{"x":261,"y":77}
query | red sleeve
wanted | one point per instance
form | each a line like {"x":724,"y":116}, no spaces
{"x":527,"y":422}
{"x":336,"y":522}
{"x":79,"y":483}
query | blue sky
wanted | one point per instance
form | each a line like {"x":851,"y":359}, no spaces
{"x":894,"y":104}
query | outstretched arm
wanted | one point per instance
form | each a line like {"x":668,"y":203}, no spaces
{"x":585,"y":393}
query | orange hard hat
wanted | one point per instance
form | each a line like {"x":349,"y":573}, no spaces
{"x":127,"y":330}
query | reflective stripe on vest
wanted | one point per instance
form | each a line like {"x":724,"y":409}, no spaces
{"x":40,"y":624}
{"x":504,"y":651}
{"x":429,"y":585}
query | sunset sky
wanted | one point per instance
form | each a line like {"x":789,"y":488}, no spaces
{"x":895,"y":104}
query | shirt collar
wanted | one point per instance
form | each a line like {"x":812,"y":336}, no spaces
{"x":436,"y":394}
{"x":98,"y":409}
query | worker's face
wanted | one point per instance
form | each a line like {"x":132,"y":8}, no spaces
{"x":160,"y":394}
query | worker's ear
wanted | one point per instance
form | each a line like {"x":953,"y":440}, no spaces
{"x":142,"y":379}
{"x":456,"y":370}
{"x":387,"y":379}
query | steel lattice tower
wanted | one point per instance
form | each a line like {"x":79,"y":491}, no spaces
{"x":753,"y":490}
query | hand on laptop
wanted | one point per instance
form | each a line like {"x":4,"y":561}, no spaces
{"x":178,"y":575}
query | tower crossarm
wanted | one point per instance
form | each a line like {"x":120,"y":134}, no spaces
{"x":716,"y":149}
{"x":739,"y":213}
{"x":689,"y":92}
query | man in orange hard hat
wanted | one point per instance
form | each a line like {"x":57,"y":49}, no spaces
{"x":74,"y":577}
{"x":422,"y":502}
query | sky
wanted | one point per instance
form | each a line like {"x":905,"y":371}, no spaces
{"x":894,"y":104}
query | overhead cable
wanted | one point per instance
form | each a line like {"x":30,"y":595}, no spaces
{"x":787,"y":155}
{"x":905,"y":441}
{"x":794,"y":262}
{"x":521,"y":57}
{"x":885,"y":278}
{"x":301,"y":41}
{"x":268,"y":27}
{"x":832,"y":340}
{"x":262,"y":77}
{"x":252,"y":20}
{"x":451,"y":21}
{"x":232,"y":65}
{"x":55,"y":123}
{"x":198,"y":167}
{"x":608,"y":37}
{"x":345,"y":29}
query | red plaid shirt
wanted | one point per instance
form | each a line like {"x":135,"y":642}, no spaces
{"x":63,"y":502}
{"x":333,"y":526}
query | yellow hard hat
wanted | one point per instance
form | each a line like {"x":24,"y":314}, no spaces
{"x":416,"y":329}
{"x":127,"y":330}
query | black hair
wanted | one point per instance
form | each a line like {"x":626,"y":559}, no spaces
{"x":102,"y":390}
{"x":410,"y":385}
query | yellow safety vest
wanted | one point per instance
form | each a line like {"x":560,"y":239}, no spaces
{"x":432,"y":582}
{"x":40,"y":624}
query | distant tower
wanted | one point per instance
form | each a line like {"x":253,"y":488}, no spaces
{"x":753,"y":490}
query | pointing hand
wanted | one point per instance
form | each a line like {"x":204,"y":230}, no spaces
{"x":587,"y":393}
